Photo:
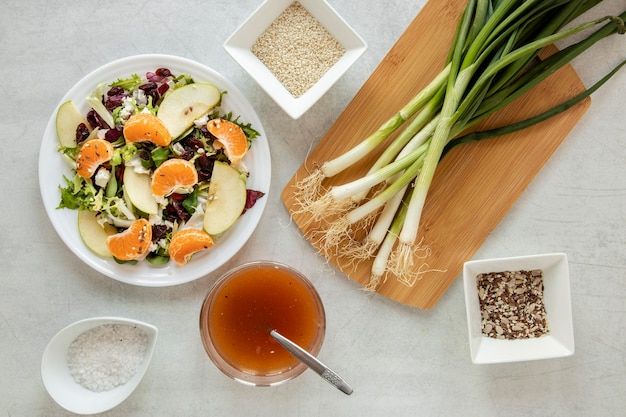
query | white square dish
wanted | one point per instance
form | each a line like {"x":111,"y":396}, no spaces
{"x":239,"y":46}
{"x":559,"y":342}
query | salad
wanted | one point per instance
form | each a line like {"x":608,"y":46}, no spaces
{"x":158,"y":170}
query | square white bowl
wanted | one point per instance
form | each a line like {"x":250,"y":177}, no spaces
{"x":239,"y":46}
{"x":559,"y":342}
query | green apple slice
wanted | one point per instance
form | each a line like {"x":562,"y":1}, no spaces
{"x":182,"y":106}
{"x":67,"y":120}
{"x":93,"y":234}
{"x":137,"y":188}
{"x":226,"y":200}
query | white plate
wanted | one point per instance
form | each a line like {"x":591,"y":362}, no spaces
{"x":52,"y":167}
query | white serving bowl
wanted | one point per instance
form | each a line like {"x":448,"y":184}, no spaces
{"x":72,"y":396}
{"x":240,"y":43}
{"x":559,"y":342}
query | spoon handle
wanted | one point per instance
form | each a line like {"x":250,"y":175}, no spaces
{"x":312,"y":362}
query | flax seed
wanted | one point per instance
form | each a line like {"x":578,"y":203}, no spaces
{"x":513,"y":300}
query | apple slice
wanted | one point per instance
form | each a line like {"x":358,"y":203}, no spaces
{"x":226,"y":200}
{"x":94,"y":234}
{"x":182,"y":106}
{"x":137,"y":188}
{"x":67,"y":120}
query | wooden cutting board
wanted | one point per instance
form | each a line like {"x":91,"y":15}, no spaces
{"x":475,"y":185}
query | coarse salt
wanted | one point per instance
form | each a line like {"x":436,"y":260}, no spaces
{"x":107,"y":356}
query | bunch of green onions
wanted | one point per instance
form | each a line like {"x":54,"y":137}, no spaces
{"x":491,"y":62}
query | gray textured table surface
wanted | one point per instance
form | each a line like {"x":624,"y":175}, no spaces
{"x":401,"y":361}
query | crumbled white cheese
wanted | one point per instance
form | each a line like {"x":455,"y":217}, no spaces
{"x":128,"y":108}
{"x":102,"y":177}
{"x":140,"y":97}
{"x":202,"y":121}
{"x":178,"y":149}
{"x":137,"y":166}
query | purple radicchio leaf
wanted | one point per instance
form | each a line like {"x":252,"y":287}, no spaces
{"x":251,"y":199}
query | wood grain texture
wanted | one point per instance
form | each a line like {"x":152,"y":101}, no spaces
{"x":475,"y":185}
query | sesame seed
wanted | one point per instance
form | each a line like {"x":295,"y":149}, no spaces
{"x":297,"y":49}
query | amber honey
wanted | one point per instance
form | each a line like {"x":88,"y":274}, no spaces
{"x":247,"y":304}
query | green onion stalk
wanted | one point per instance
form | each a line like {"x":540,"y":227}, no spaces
{"x":492,"y":61}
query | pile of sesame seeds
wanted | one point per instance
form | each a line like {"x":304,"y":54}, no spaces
{"x":297,"y":49}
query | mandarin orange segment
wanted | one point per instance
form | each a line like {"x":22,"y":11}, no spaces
{"x":146,"y":127}
{"x":133,"y":243}
{"x":173,"y":175}
{"x":229,"y":136}
{"x":91,"y":155}
{"x":185,"y":243}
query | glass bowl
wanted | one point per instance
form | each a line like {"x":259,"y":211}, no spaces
{"x":241,"y":309}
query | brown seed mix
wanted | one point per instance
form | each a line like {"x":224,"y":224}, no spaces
{"x":511,"y":304}
{"x":297,"y":49}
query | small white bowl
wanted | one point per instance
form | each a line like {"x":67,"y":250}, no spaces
{"x":559,"y":342}
{"x":240,"y":43}
{"x":72,"y":396}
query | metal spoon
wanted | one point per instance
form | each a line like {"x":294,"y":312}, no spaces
{"x":312,"y":362}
